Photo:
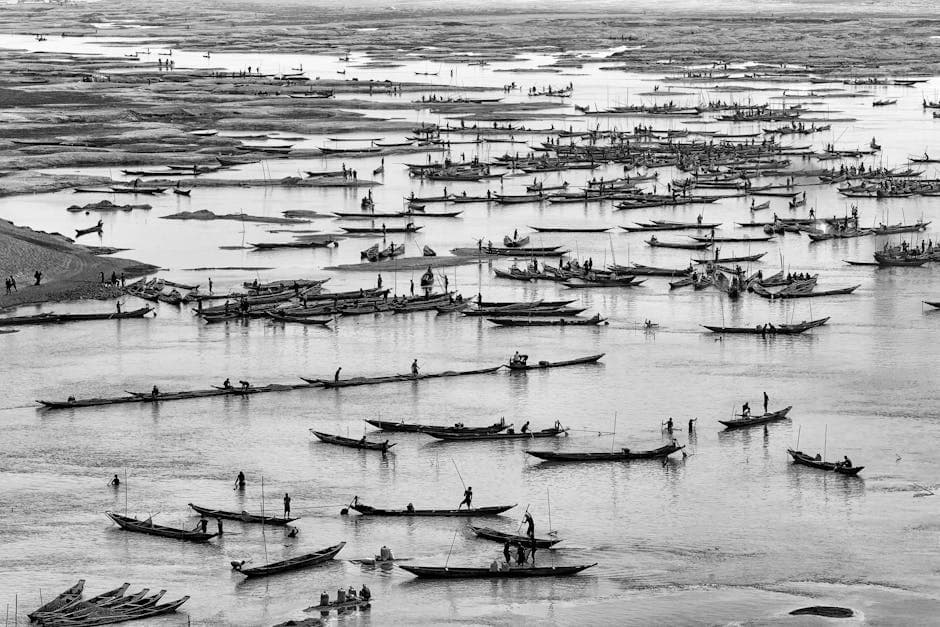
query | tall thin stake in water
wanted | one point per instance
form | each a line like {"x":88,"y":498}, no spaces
{"x":125,"y":490}
{"x":613,"y":434}
{"x":264,"y":538}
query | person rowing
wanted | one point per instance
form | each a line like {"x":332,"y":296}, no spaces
{"x":467,"y":498}
{"x":846,"y":461}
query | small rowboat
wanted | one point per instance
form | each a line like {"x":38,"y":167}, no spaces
{"x":352,"y":442}
{"x":243,"y":516}
{"x":65,"y":598}
{"x":513,"y":572}
{"x":495,"y":510}
{"x":148,"y":527}
{"x":464,"y":437}
{"x":300,"y":320}
{"x":488,"y":533}
{"x":294,"y":563}
{"x":92,"y":229}
{"x":655,"y":243}
{"x":747,"y":421}
{"x":799,"y":457}
{"x":624,"y":454}
{"x":387,"y":425}
{"x":556,"y":364}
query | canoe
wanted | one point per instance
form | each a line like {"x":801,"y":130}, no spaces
{"x":352,"y":442}
{"x":53,"y":609}
{"x":543,"y":322}
{"x":294,"y":563}
{"x":542,"y":251}
{"x":799,"y":457}
{"x":495,"y":510}
{"x":783,"y":329}
{"x":730,"y":238}
{"x":760,"y":291}
{"x":747,"y":421}
{"x":623,"y":454}
{"x":731,"y":259}
{"x":387,"y":229}
{"x":300,"y":319}
{"x":386,"y":425}
{"x":427,"y":251}
{"x":555,"y":364}
{"x":146,"y":397}
{"x":514,"y":572}
{"x":92,"y":229}
{"x":148,"y":527}
{"x":570,"y":229}
{"x":243,"y":516}
{"x":53,"y":318}
{"x":682,"y":245}
{"x":65,"y":598}
{"x":933,"y":303}
{"x":488,"y":533}
{"x":398,"y":378}
{"x":427,"y":214}
{"x":464,"y":437}
{"x":626,"y":281}
{"x":315,"y":243}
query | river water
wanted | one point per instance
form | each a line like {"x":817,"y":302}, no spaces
{"x":733,"y":533}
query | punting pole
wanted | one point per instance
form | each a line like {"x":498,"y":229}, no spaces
{"x":264,"y":537}
{"x":451,"y":548}
{"x":458,"y":473}
{"x":825,"y":438}
{"x":613,"y":434}
{"x":125,"y":490}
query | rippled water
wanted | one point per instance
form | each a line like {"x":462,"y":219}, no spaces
{"x":731,"y":533}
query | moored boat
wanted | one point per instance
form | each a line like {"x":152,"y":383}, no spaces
{"x":243,"y":516}
{"x":294,"y":563}
{"x":488,"y":533}
{"x":624,"y":454}
{"x":409,"y":511}
{"x":590,"y":359}
{"x":361,"y":443}
{"x":747,"y":421}
{"x":511,"y":572}
{"x":148,"y":527}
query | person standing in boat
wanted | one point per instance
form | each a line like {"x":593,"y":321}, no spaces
{"x":467,"y":498}
{"x":240,"y":480}
{"x":766,"y":400}
{"x":286,"y":505}
{"x":155,"y":392}
{"x":414,"y":368}
{"x":530,"y":530}
{"x":669,"y":425}
{"x":218,"y":522}
{"x":507,"y":551}
{"x":336,"y":374}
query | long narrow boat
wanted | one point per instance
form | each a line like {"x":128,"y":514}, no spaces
{"x":367,"y":510}
{"x":933,"y":303}
{"x":514,"y":572}
{"x":398,"y":378}
{"x":760,"y":329}
{"x":590,"y":359}
{"x":69,"y":596}
{"x":294,"y":563}
{"x":488,"y":533}
{"x":53,"y":318}
{"x":747,"y":421}
{"x":623,"y":454}
{"x":146,"y":397}
{"x":542,"y":322}
{"x":381,"y":229}
{"x":799,"y":457}
{"x":655,"y":243}
{"x":243,"y":516}
{"x":551,"y":432}
{"x":742,"y":258}
{"x":570,"y":229}
{"x":352,"y":442}
{"x":53,"y":609}
{"x":764,"y":293}
{"x":387,"y":425}
{"x":148,"y":527}
{"x":300,"y":319}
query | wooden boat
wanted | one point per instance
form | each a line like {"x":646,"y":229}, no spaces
{"x":311,"y":243}
{"x":542,"y":251}
{"x":509,"y":242}
{"x":760,"y":329}
{"x":551,"y":432}
{"x":623,"y":454}
{"x":387,"y":425}
{"x":731,"y":259}
{"x":428,"y":214}
{"x":148,"y":527}
{"x":514,"y":572}
{"x":542,"y":322}
{"x":655,"y":243}
{"x":386,"y":229}
{"x":372,"y":215}
{"x":621,"y":281}
{"x":764,"y":293}
{"x":494,"y":510}
{"x":294,"y":563}
{"x":933,"y":303}
{"x":53,"y":318}
{"x":488,"y":533}
{"x":730,"y":238}
{"x":570,"y":229}
{"x":799,"y":457}
{"x":55,"y":610}
{"x":147,"y":397}
{"x":427,"y":251}
{"x":65,"y":598}
{"x":590,"y":359}
{"x":352,"y":442}
{"x":243,"y":516}
{"x":300,"y":319}
{"x":747,"y":421}
{"x":398,"y":378}
{"x":92,"y":229}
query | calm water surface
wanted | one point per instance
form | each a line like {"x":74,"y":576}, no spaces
{"x":733,"y":533}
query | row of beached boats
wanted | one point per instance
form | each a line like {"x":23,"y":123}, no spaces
{"x":69,"y":609}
